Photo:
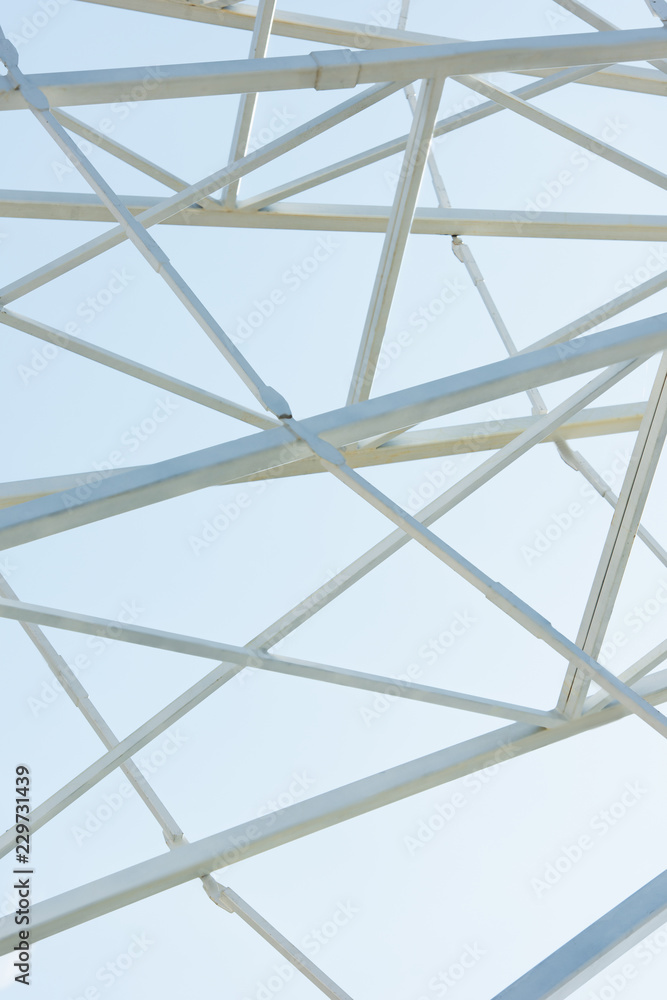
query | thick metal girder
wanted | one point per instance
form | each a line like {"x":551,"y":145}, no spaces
{"x":129,"y":490}
{"x":331,"y":70}
{"x":461,"y":439}
{"x":559,"y":975}
{"x":317,"y":813}
{"x":601,"y":23}
{"x":327,"y":218}
{"x":332,"y":31}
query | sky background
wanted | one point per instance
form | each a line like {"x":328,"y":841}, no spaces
{"x":404,"y":910}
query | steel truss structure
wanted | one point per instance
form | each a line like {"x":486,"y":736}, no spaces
{"x":367,"y":431}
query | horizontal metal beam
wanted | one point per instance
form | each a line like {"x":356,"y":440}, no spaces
{"x":462,"y":439}
{"x":288,"y":24}
{"x":228,"y":462}
{"x":601,"y":23}
{"x":326,"y":70}
{"x":439,"y":442}
{"x":349,"y":218}
{"x":596,"y":947}
{"x":317,"y":813}
{"x":356,"y":35}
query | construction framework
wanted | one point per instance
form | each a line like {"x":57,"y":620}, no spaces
{"x":369,"y":430}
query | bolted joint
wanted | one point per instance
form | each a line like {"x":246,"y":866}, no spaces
{"x":173,"y":839}
{"x":8,"y":54}
{"x":457,"y":245}
{"x":332,"y":74}
{"x":322,"y":449}
{"x":275,"y":403}
{"x":33,"y":97}
{"x":216,"y":893}
{"x":659,"y":8}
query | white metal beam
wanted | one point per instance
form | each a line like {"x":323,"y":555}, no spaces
{"x":79,"y":696}
{"x":307,"y":216}
{"x":121,"y":751}
{"x":395,"y":241}
{"x":602,"y":313}
{"x":325,"y":70}
{"x":609,"y":937}
{"x":283,"y":946}
{"x":121,"y":152}
{"x":601,"y":23}
{"x":359,"y":35}
{"x":135,"y":369}
{"x":459,"y":439}
{"x":258,"y":48}
{"x":240,"y":656}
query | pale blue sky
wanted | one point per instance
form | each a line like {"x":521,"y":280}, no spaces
{"x":404,"y":914}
